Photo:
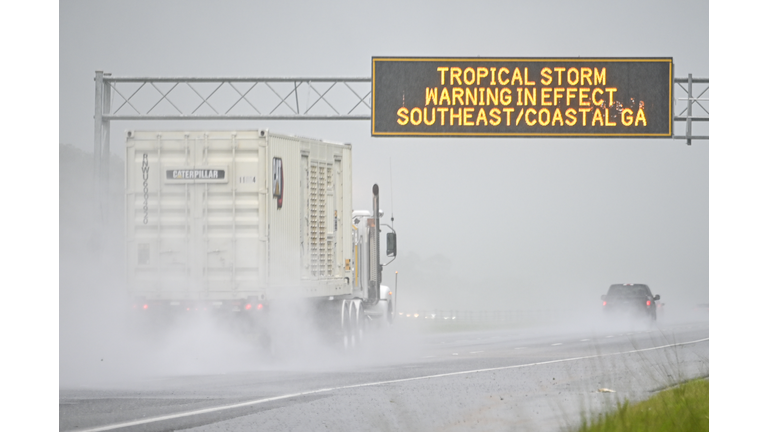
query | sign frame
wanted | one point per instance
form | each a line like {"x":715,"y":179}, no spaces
{"x":669,"y":117}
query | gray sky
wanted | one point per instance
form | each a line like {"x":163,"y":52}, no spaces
{"x":485,"y":223}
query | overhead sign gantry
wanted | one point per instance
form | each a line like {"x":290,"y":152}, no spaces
{"x":327,"y":98}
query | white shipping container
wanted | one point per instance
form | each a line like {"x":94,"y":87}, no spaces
{"x":222,"y":215}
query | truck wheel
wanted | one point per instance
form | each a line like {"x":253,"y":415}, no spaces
{"x":351,"y":328}
{"x":345,"y":318}
{"x":358,"y":322}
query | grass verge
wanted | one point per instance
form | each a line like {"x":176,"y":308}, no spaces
{"x":681,"y":408}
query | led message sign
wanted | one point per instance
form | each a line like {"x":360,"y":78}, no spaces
{"x":525,"y":97}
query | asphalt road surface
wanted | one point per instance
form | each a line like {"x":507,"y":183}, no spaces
{"x":494,"y":379}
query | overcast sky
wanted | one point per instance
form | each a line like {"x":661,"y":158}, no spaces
{"x":486,"y":223}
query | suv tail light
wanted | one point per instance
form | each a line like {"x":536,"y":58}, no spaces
{"x":648,"y":303}
{"x":605,"y":303}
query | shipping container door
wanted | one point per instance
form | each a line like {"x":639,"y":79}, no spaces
{"x":158,"y":226}
{"x":175,"y":204}
{"x":228,"y":215}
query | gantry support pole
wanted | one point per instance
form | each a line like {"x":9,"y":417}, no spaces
{"x":105,"y":152}
{"x":97,"y":134}
{"x":690,"y":109}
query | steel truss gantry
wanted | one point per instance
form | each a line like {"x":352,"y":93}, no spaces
{"x":687,"y":113}
{"x":245,"y":98}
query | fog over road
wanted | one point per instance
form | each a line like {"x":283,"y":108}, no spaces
{"x":526,"y":379}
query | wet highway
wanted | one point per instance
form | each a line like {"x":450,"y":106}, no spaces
{"x":491,"y":379}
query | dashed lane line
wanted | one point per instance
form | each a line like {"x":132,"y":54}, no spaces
{"x":401,"y":380}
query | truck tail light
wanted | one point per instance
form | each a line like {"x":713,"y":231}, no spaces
{"x":248,"y":306}
{"x":605,"y":303}
{"x":259,"y":306}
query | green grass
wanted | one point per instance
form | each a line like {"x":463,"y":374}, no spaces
{"x":681,"y":408}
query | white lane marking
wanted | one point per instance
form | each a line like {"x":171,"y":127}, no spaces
{"x":609,"y":336}
{"x":428,"y":357}
{"x":559,"y":343}
{"x":475,"y":352}
{"x":455,"y":354}
{"x":401,"y":380}
{"x":520,"y":348}
{"x":584,"y":340}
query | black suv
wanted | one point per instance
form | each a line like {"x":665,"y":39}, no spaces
{"x":630,"y":299}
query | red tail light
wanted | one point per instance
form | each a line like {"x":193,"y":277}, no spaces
{"x":605,"y":303}
{"x":648,"y":303}
{"x":248,"y":306}
{"x":259,"y":306}
{"x":146,"y":306}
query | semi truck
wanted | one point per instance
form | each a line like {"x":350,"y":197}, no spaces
{"x":233,"y":221}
